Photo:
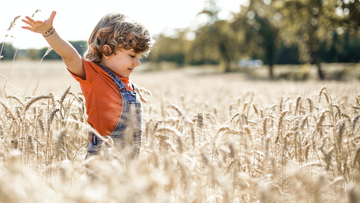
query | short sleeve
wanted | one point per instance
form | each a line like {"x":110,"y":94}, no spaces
{"x":88,"y":75}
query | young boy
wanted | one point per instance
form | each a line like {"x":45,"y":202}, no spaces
{"x":113,"y":103}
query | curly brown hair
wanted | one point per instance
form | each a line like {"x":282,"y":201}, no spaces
{"x":117,"y":31}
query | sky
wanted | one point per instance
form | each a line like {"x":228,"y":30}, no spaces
{"x":76,"y":19}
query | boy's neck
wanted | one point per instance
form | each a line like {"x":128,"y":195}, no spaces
{"x":104,"y":65}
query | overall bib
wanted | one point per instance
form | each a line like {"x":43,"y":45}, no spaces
{"x":129,"y":121}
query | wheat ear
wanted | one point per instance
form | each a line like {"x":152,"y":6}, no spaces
{"x":33,"y":100}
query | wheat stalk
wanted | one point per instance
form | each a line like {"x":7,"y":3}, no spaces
{"x":33,"y":100}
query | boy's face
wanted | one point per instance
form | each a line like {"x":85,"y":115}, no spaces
{"x":122,"y":62}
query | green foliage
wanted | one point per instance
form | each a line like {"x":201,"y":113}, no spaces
{"x":274,"y":31}
{"x":351,"y":13}
{"x":299,"y":74}
{"x":8,"y":51}
{"x":33,"y":54}
{"x":52,"y":55}
{"x":340,"y":48}
{"x":277,"y":32}
{"x":172,"y":49}
{"x":287,"y":54}
{"x":80,"y":47}
{"x":214,"y":42}
{"x":261,"y":34}
{"x":37,"y":54}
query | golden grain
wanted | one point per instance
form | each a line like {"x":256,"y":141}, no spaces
{"x":33,"y":100}
{"x":12,"y":24}
{"x":267,"y":154}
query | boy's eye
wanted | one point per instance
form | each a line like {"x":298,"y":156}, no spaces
{"x":132,"y":56}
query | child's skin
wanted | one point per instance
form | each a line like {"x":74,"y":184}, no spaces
{"x":122,"y":62}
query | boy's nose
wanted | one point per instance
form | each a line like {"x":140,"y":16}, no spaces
{"x":136,"y":62}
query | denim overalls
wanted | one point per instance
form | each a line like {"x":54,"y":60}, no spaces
{"x":129,"y":122}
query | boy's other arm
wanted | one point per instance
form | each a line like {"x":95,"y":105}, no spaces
{"x":68,"y":53}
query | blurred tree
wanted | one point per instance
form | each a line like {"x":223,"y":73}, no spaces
{"x":348,"y":48}
{"x":8,"y":51}
{"x":171,"y":48}
{"x":52,"y":55}
{"x":347,"y":19}
{"x":348,"y":11}
{"x":32,"y":53}
{"x":287,"y":54}
{"x":214,"y":42}
{"x":261,"y":35}
{"x":333,"y":53}
{"x":80,"y":47}
{"x":308,"y":23}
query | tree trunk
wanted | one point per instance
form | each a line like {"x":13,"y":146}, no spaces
{"x":227,"y":66}
{"x":320,"y":72}
{"x":316,"y":60}
{"x":271,"y":74}
{"x":225,"y":58}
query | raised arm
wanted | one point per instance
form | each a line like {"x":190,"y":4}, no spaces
{"x":68,"y":53}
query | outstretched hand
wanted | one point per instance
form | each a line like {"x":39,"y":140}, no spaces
{"x":39,"y":26}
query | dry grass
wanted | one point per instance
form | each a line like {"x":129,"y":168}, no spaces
{"x":209,"y":138}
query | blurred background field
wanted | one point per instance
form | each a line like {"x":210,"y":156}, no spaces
{"x":52,"y":76}
{"x":293,"y":40}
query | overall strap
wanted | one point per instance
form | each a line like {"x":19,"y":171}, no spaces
{"x":117,"y":81}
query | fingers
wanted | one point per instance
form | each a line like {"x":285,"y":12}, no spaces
{"x":30,"y":19}
{"x":26,"y":27}
{"x":27,"y":22}
{"x":38,"y":26}
{"x":52,"y":16}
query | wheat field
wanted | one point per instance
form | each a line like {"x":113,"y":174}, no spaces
{"x":206,"y":138}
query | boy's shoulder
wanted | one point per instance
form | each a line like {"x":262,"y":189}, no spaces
{"x":90,"y":65}
{"x":88,"y":62}
{"x":92,"y":72}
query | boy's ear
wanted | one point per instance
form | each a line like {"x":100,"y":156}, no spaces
{"x":106,"y":51}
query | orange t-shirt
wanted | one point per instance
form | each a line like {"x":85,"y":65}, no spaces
{"x":103,"y":100}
